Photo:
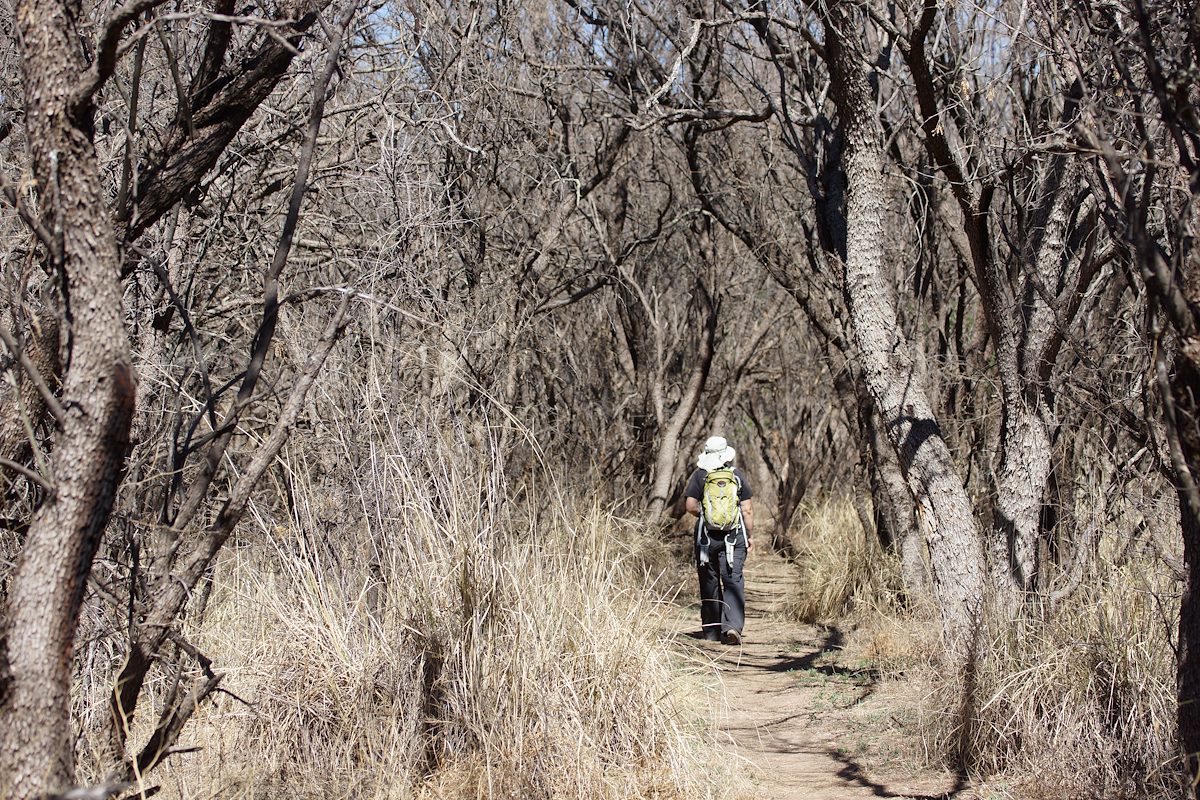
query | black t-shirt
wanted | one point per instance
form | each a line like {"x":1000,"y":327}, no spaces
{"x":695,"y":485}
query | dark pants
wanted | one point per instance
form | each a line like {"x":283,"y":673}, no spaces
{"x":722,"y":588}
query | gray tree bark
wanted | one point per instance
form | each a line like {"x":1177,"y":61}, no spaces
{"x":889,"y":369}
{"x":895,"y":513}
{"x":1025,"y":317}
{"x":668,"y":441}
{"x":36,"y":743}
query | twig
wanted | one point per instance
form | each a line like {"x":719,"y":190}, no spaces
{"x":28,"y":473}
{"x":271,"y":304}
{"x":171,"y":724}
{"x":164,"y":280}
{"x":231,"y":512}
{"x":34,"y":376}
{"x":677,"y":67}
{"x":106,"y":50}
{"x":185,"y":107}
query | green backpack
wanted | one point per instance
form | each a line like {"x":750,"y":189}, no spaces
{"x":721,"y":510}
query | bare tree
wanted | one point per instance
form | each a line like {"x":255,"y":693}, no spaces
{"x":1027,"y":308}
{"x":80,"y":234}
{"x":94,"y":414}
{"x":889,"y":368}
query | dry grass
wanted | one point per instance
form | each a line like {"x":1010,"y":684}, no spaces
{"x":843,"y":570}
{"x":1079,"y":703}
{"x":437,"y":640}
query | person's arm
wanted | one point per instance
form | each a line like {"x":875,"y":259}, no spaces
{"x":693,"y":493}
{"x":748,"y":522}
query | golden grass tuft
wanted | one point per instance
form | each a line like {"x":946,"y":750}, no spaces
{"x":843,"y":569}
{"x":1079,"y":703}
{"x":1074,"y":702}
{"x":446,"y":643}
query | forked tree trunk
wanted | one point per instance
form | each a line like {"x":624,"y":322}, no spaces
{"x":888,"y":366}
{"x":1021,"y":487}
{"x":36,"y":742}
{"x":1021,"y":318}
{"x":1026,"y":353}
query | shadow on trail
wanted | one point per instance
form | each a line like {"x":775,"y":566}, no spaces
{"x":744,"y":662}
{"x":853,"y":772}
{"x":834,"y":638}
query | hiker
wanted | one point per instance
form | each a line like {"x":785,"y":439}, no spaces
{"x":719,"y":495}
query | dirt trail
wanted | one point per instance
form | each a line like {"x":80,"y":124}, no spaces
{"x":796,"y":716}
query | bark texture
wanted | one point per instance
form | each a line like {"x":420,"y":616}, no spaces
{"x":895,"y":519}
{"x":889,"y":368}
{"x":1183,"y":416}
{"x":668,"y":444}
{"x":36,"y":748}
{"x":1024,"y":314}
{"x":1183,"y":419}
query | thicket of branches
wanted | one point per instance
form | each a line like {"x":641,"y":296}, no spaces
{"x":939,"y":257}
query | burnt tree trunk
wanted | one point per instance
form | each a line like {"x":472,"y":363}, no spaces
{"x":1183,"y":418}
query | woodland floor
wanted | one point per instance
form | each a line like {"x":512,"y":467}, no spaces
{"x":806,"y":724}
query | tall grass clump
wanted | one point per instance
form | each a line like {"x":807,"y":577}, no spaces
{"x":842,"y":567}
{"x":421,"y":627}
{"x":1078,"y":701}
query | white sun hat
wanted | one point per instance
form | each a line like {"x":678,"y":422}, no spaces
{"x":717,"y":453}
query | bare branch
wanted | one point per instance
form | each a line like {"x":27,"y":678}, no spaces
{"x":38,"y":380}
{"x":30,"y":474}
{"x":106,"y":51}
{"x":270,"y":313}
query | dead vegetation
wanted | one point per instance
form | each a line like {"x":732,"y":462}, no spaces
{"x":353,"y":352}
{"x":1078,"y":701}
{"x":414,"y":634}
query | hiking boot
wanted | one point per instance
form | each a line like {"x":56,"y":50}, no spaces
{"x":733,"y":637}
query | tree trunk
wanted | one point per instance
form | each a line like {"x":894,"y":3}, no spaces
{"x":1021,"y":486}
{"x":1025,"y":334}
{"x":888,"y":366}
{"x":893,"y":511}
{"x":1188,"y":668}
{"x":1185,"y":397}
{"x":668,"y":443}
{"x":893,"y":504}
{"x":1026,"y":354}
{"x":36,"y":748}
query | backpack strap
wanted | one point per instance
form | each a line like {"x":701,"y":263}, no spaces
{"x":702,"y":539}
{"x":732,"y":536}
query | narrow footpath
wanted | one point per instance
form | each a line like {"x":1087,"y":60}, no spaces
{"x":798,"y":717}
